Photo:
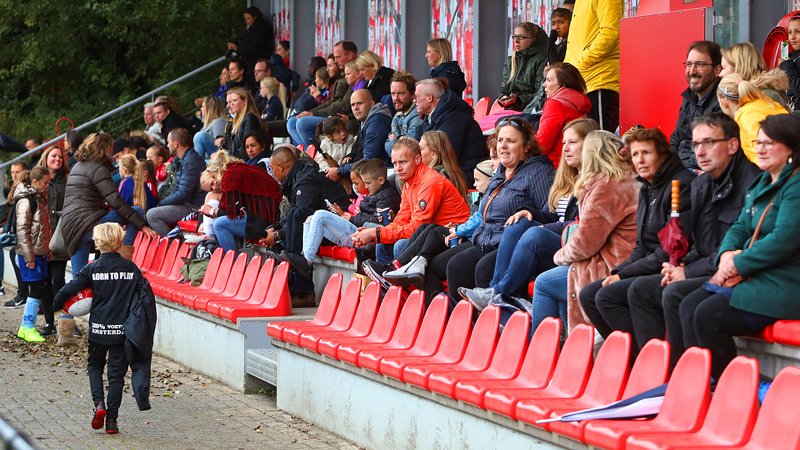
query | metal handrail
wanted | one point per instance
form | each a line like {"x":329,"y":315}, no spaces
{"x":116,"y":110}
{"x":12,"y":439}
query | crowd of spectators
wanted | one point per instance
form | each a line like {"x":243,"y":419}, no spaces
{"x":563,"y":200}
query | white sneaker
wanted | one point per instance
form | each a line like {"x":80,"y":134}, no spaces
{"x":412,"y":273}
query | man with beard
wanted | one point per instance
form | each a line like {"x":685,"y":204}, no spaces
{"x":406,"y":120}
{"x":703,"y":65}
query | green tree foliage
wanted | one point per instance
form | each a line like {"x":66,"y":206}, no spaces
{"x":82,"y":58}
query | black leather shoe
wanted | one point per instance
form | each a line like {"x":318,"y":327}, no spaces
{"x":298,"y":263}
{"x":48,"y":330}
{"x":99,"y":415}
{"x":111,"y":426}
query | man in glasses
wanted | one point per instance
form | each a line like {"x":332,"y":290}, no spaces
{"x":262,"y":70}
{"x":703,"y":65}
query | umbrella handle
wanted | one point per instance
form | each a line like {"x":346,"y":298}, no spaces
{"x":676,"y":197}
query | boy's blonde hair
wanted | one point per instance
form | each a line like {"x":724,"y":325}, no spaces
{"x":108,"y":237}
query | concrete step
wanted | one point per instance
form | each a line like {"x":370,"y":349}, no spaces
{"x":262,"y":363}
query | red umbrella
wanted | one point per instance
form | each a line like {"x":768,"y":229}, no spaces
{"x":672,"y":238}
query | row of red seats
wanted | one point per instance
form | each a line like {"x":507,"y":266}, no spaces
{"x":529,"y":382}
{"x":231,"y":289}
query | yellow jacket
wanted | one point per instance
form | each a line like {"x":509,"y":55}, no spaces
{"x":593,"y":42}
{"x":749,"y":116}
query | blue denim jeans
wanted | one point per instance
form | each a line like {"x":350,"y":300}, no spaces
{"x":227,"y":229}
{"x":550,"y":296}
{"x":204,"y":144}
{"x":386,"y":253}
{"x":81,"y":256}
{"x":303,"y":130}
{"x":525,"y":251}
{"x":324,"y":224}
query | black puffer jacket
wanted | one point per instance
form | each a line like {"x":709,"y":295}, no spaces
{"x":306,"y":187}
{"x":455,"y":77}
{"x":172,"y":122}
{"x":381,"y":84}
{"x":716,"y":204}
{"x":250,"y":123}
{"x":655,"y":203}
{"x":792,"y":68}
{"x":386,"y":197}
{"x":681,"y":139}
{"x":56,"y":192}
{"x":453,"y":116}
{"x":89,"y":188}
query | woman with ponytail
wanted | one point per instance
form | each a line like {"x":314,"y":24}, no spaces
{"x":275,"y":93}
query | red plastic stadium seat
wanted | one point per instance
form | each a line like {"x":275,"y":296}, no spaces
{"x":731,"y":414}
{"x":786,"y":332}
{"x":605,"y":384}
{"x":140,"y":250}
{"x":649,"y":371}
{"x":536,"y":370}
{"x":382,"y":330}
{"x":685,"y":404}
{"x":186,"y":297}
{"x":174,"y":275}
{"x":430,"y":335}
{"x":188,"y":225}
{"x":496,"y":106}
{"x":311,"y":151}
{"x":345,"y":254}
{"x":198,"y":300}
{"x":166,"y":265}
{"x":360,"y":327}
{"x":569,"y":377}
{"x":175,"y":292}
{"x":479,"y":351}
{"x":325,"y":312}
{"x":342,"y":321}
{"x":277,"y":302}
{"x":137,"y":245}
{"x":326,"y":251}
{"x":155,"y":256}
{"x":505,"y":363}
{"x":224,"y":308}
{"x":481,"y":108}
{"x":240,"y":284}
{"x":405,"y":333}
{"x":451,"y":349}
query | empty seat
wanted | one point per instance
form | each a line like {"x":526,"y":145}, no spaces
{"x":169,"y":258}
{"x":325,"y":312}
{"x":174,"y":276}
{"x":361,"y":325}
{"x":224,"y":308}
{"x":198,"y":300}
{"x":137,"y":246}
{"x":481,"y":108}
{"x":477,"y":355}
{"x":536,"y":370}
{"x":240,"y":284}
{"x":343,"y":318}
{"x":569,"y":377}
{"x":155,"y":256}
{"x":685,"y":404}
{"x":430,"y":335}
{"x":505,"y":362}
{"x":175,"y":292}
{"x":276,"y":303}
{"x":451,"y":349}
{"x":405,"y":331}
{"x":186,"y":296}
{"x":786,"y":332}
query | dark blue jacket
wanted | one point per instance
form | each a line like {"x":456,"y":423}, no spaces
{"x":187,"y":181}
{"x":452,"y":71}
{"x":371,"y":139}
{"x":386,"y":197}
{"x":288,"y":77}
{"x":274,"y":109}
{"x":453,"y":116}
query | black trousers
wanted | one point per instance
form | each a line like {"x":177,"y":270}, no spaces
{"x":709,"y":321}
{"x":117,"y":368}
{"x":54,"y":283}
{"x":22,"y":291}
{"x":607,"y":308}
{"x":605,"y":108}
{"x":462,"y":266}
{"x":671,"y":300}
{"x":427,"y":241}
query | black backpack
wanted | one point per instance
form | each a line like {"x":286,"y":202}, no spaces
{"x":9,"y":237}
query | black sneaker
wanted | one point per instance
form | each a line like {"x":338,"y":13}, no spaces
{"x":298,"y":263}
{"x":48,"y":330}
{"x":111,"y":426}
{"x":16,"y":302}
{"x":99,"y":415}
{"x":374,"y":271}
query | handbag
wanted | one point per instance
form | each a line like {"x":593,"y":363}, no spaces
{"x":57,"y":244}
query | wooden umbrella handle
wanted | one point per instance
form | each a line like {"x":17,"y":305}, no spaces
{"x":676,"y":195}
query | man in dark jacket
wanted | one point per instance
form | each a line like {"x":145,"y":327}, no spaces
{"x":168,"y":119}
{"x":188,"y":194}
{"x":703,"y":65}
{"x":717,"y":198}
{"x":289,"y":78}
{"x":376,"y":123}
{"x":442,"y":110}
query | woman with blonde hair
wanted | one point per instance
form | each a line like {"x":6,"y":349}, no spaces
{"x":522,"y":71}
{"x":246,"y":119}
{"x":745,"y":59}
{"x":209,"y":138}
{"x":377,"y":77}
{"x":438,"y":154}
{"x":439,"y":54}
{"x":744,"y":101}
{"x":275,"y":93}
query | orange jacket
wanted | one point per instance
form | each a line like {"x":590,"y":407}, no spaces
{"x":428,"y":197}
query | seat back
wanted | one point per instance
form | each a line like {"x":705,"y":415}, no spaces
{"x":650,"y":369}
{"x":511,"y":347}
{"x":183,"y":252}
{"x":329,"y":300}
{"x":540,"y":360}
{"x":481,"y":108}
{"x":367,"y":311}
{"x":155,"y":255}
{"x":777,"y":423}
{"x":610,"y":371}
{"x":169,"y":258}
{"x":236,"y":276}
{"x":408,"y":324}
{"x":483,"y":340}
{"x":496,"y":106}
{"x":141,"y":250}
{"x":347,"y":305}
{"x":456,"y":334}
{"x":249,"y":279}
{"x":432,"y":328}
{"x":278,"y":301}
{"x":224,"y":272}
{"x":575,"y":361}
{"x":386,"y":322}
{"x":263,"y":282}
{"x":688,"y":392}
{"x":734,"y":406}
{"x":212,"y":270}
{"x":137,"y":245}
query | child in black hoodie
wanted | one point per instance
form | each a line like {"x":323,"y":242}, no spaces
{"x":118,"y":288}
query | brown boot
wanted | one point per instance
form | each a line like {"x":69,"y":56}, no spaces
{"x":66,"y":331}
{"x":126,"y":251}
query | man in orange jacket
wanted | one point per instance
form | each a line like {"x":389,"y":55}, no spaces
{"x":428,"y":197}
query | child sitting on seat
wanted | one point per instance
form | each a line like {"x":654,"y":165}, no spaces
{"x":383,"y":201}
{"x":335,"y":142}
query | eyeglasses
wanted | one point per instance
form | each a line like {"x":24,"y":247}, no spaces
{"x":766,"y":144}
{"x":515,"y":121}
{"x":519,"y":37}
{"x":706,"y":143}
{"x":260,"y":70}
{"x":698,"y":64}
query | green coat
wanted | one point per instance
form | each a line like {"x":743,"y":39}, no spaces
{"x":528,"y":77}
{"x":772,"y":264}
